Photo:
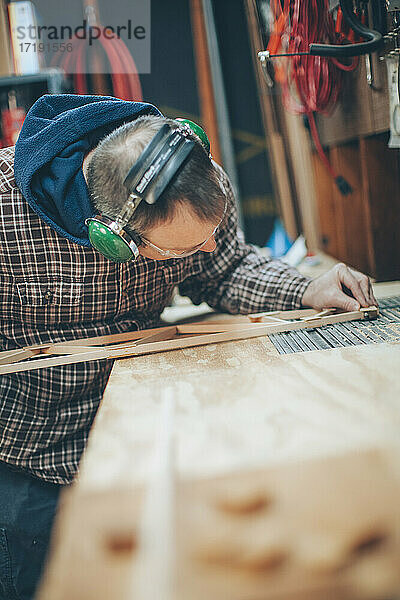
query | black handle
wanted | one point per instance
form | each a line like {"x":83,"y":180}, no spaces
{"x":373,"y":43}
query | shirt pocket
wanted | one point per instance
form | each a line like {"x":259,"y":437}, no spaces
{"x":47,"y":299}
{"x":51,"y":291}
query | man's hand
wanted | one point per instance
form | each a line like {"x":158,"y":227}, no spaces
{"x":327,"y":290}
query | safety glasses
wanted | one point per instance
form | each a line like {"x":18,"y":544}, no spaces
{"x":184,"y":253}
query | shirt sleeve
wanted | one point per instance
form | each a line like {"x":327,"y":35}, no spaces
{"x":236,"y":278}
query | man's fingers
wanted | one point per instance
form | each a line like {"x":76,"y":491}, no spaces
{"x":342,"y":288}
{"x":350,"y":281}
{"x":365,"y":285}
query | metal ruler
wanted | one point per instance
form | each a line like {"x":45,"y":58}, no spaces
{"x":386,"y":328}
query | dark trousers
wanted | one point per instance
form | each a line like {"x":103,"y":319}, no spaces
{"x":27,"y":509}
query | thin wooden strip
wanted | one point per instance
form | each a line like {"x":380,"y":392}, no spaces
{"x":43,"y":363}
{"x":323,"y":313}
{"x":109,"y":353}
{"x":217,"y":321}
{"x":66,"y":347}
{"x":14,"y":356}
{"x":245,"y":333}
{"x":129,"y":336}
{"x":60,"y":349}
{"x":273,"y":319}
{"x":114,"y":338}
{"x":284,"y":314}
{"x":194,"y":328}
{"x":193,"y":341}
{"x":165,"y":333}
{"x":264,"y":314}
{"x":297,"y":313}
{"x":363,"y":313}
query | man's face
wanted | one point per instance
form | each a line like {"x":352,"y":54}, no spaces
{"x":182,"y":233}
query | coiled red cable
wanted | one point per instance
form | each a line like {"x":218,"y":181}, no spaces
{"x":310,"y":84}
{"x":124,"y":75}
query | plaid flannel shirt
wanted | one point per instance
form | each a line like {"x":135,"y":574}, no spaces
{"x":54,"y":290}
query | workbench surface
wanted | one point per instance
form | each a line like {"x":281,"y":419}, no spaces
{"x":245,"y":405}
{"x":240,"y":405}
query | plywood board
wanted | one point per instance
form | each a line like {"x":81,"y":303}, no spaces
{"x":308,"y":530}
{"x":316,"y":529}
{"x":246,"y":405}
{"x":241,"y":411}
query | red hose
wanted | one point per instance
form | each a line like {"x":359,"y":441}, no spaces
{"x":131,"y":70}
{"x":79,"y":74}
{"x":124,"y":75}
{"x":311,"y":84}
{"x":120,"y":86}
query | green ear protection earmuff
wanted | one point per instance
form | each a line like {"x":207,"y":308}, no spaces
{"x":147,"y":179}
{"x":197,"y":130}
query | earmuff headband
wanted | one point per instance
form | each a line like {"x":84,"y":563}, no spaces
{"x":148,"y":184}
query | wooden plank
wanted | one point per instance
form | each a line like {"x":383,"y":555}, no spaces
{"x":273,"y":416}
{"x":196,"y":328}
{"x":351,"y":215}
{"x":327,"y":208}
{"x":273,"y":135}
{"x":294,"y":531}
{"x":14,"y":356}
{"x":381,"y":186}
{"x":300,"y":152}
{"x":323,"y":313}
{"x":285,"y":314}
{"x":44,"y":363}
{"x":204,"y":78}
{"x":130,"y":337}
{"x":65,"y":349}
{"x":247,"y":332}
{"x":245,"y":405}
{"x":250,"y":409}
{"x":227,"y":527}
{"x":286,"y":196}
{"x":114,"y":338}
{"x":81,"y":345}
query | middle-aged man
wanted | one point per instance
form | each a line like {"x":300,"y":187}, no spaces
{"x":93,"y":242}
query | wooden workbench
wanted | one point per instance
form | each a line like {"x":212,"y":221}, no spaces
{"x":239,"y":406}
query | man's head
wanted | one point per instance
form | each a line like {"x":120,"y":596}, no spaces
{"x":188,"y":210}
